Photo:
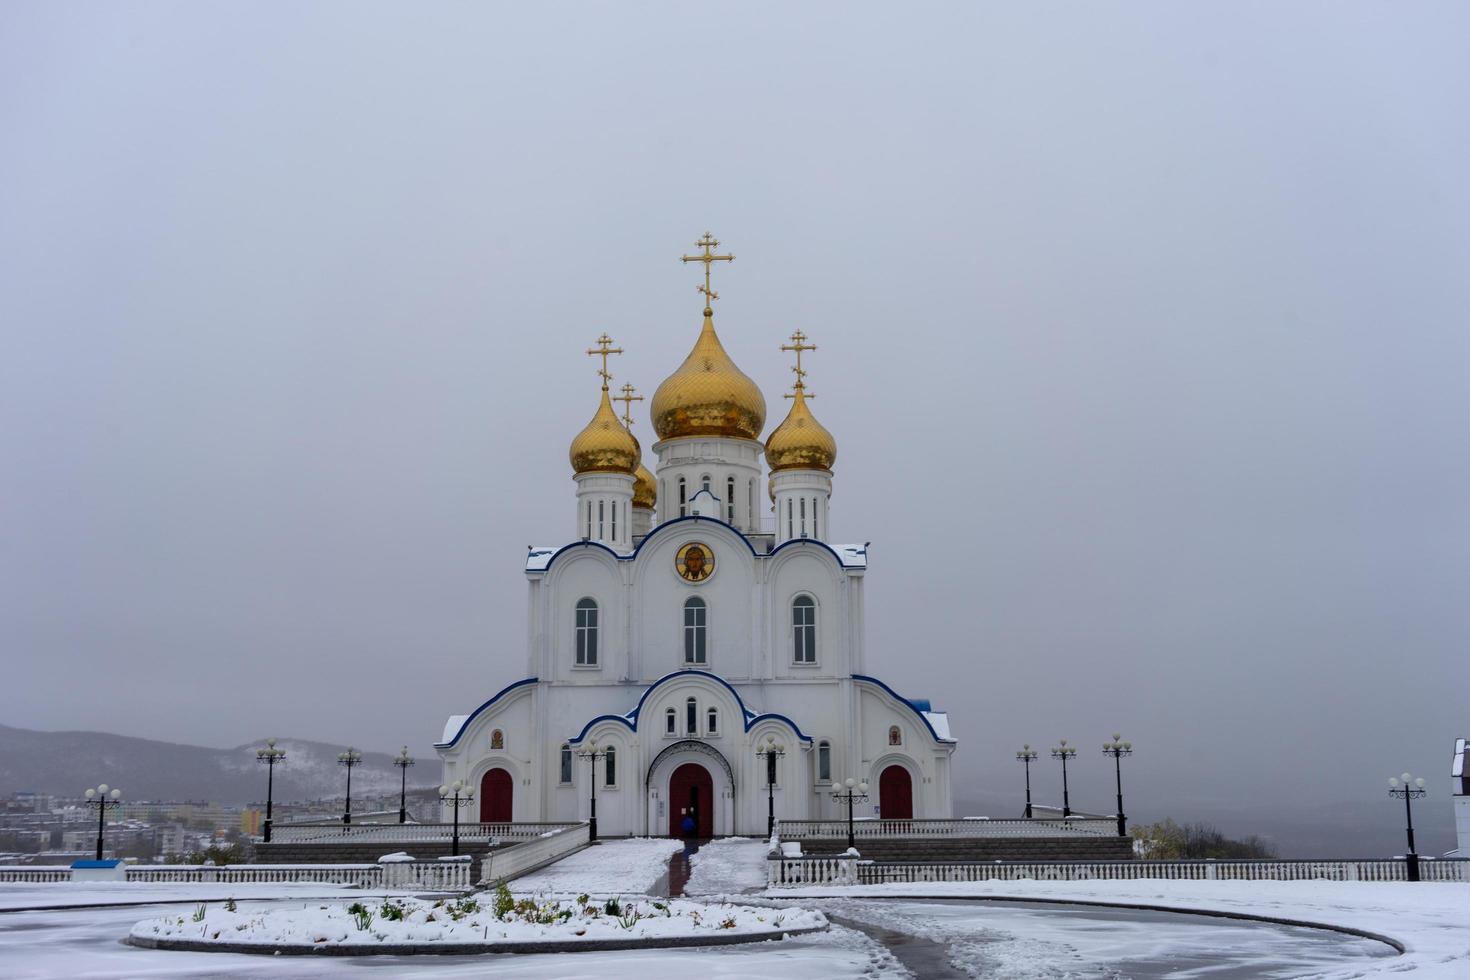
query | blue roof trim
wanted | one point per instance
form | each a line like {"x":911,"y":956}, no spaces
{"x":474,"y":714}
{"x":692,"y":518}
{"x":748,"y":717}
{"x":791,"y":541}
{"x":903,"y":701}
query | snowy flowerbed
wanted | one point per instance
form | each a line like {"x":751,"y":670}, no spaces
{"x":488,"y":920}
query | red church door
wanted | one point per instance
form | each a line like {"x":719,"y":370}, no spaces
{"x":495,"y":796}
{"x":692,"y":796}
{"x":895,"y":794}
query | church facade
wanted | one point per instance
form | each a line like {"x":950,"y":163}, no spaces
{"x":697,"y":648}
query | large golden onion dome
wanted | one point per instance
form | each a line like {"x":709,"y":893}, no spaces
{"x":645,"y":490}
{"x":708,"y":395}
{"x":800,"y":442}
{"x":605,"y":446}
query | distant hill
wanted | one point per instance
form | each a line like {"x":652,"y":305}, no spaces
{"x":66,"y":763}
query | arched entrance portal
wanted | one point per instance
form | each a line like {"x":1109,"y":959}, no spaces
{"x":496,"y":787}
{"x":896,"y":794}
{"x":691,"y":802}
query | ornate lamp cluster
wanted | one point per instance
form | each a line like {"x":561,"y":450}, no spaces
{"x":850,"y":791}
{"x":772,"y":751}
{"x":103,"y":799}
{"x":1408,"y":788}
{"x":591,"y":753}
{"x":456,"y":794}
{"x":1117,"y":748}
{"x":270,"y":757}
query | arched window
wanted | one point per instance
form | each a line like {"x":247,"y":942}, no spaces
{"x":614,"y":509}
{"x":790,"y":523}
{"x":704,"y":483}
{"x":695,"y":631}
{"x":683,"y":498}
{"x":895,"y":737}
{"x":671,"y":721}
{"x":803,"y":517}
{"x":586,"y":632}
{"x":815,"y":532}
{"x":804,"y":630}
{"x":824,"y":762}
{"x":610,"y":761}
{"x":730,"y":500}
{"x":691,"y":717}
{"x":566,"y":764}
{"x":589,"y":520}
{"x":713,"y":718}
{"x":600,"y":521}
{"x":750,"y":503}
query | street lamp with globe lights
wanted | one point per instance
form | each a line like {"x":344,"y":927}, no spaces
{"x":350,"y":758}
{"x":1064,"y":752}
{"x":850,"y":791}
{"x":771,"y":753}
{"x":456,"y":794}
{"x":1409,"y":788}
{"x":271,"y":757}
{"x":103,"y":799}
{"x":403,"y":760}
{"x":591,"y":754}
{"x":1026,"y":754}
{"x":1117,"y":749}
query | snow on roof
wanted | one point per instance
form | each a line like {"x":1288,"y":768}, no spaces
{"x":538,"y":558}
{"x":1457,"y":767}
{"x":452,"y":727}
{"x":852,"y":555}
{"x":940,"y":721}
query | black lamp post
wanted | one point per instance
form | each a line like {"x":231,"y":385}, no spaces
{"x":1064,"y":753}
{"x":350,"y":758}
{"x":403,"y":760}
{"x":1117,"y":750}
{"x":1026,"y":754}
{"x":851,"y":791}
{"x":1410,"y":789}
{"x":591,"y":754}
{"x":102,"y":799}
{"x":456,"y":794}
{"x":771,"y":753}
{"x":271,"y":756}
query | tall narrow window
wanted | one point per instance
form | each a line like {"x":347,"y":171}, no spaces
{"x":670,"y":721}
{"x":803,"y":517}
{"x":610,"y":777}
{"x":566,"y":763}
{"x":614,"y":509}
{"x":750,"y":503}
{"x":730,"y":500}
{"x":824,"y":762}
{"x":695,"y":632}
{"x":683,"y":498}
{"x":691,"y":717}
{"x":712,"y":727}
{"x":586,"y":632}
{"x":599,"y":520}
{"x":790,"y":524}
{"x":704,"y":483}
{"x":589,"y":520}
{"x":815,"y":532}
{"x":804,"y":630}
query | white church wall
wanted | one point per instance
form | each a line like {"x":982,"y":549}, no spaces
{"x":811,"y":571}
{"x":592,"y":573}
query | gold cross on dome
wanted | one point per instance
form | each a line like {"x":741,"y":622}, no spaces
{"x":628,"y":398}
{"x":709,"y":243}
{"x":799,"y":344}
{"x":603,"y":349}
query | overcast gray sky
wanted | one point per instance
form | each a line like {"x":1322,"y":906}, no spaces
{"x":1142,"y":332}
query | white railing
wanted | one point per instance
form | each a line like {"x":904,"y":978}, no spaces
{"x":503,"y":864}
{"x":359,"y":875}
{"x":928,"y":829}
{"x":788,"y":872}
{"x":407,"y":833}
{"x":450,"y":874}
{"x":36,"y":873}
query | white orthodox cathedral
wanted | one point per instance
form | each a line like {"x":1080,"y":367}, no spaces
{"x":699,"y":643}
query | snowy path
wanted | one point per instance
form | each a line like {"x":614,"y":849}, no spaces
{"x":614,"y":867}
{"x":730,"y":866}
{"x":1432,"y":920}
{"x":54,"y":894}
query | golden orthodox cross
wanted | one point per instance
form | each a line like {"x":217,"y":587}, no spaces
{"x":604,"y":347}
{"x":709,"y":244}
{"x":628,"y":398}
{"x":799,"y":344}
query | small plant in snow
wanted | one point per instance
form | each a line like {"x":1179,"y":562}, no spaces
{"x":583,"y":899}
{"x":728,"y":923}
{"x":229,"y":905}
{"x":629,"y":918}
{"x":613,"y":907}
{"x":199,"y":913}
{"x":504,"y":901}
{"x":362,"y":914}
{"x":390,"y":911}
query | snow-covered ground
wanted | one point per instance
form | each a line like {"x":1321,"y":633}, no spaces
{"x":1432,"y":920}
{"x":65,"y":893}
{"x":473,"y":919}
{"x":614,"y":867}
{"x":729,"y":866}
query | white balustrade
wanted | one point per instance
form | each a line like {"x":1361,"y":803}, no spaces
{"x":787,"y":872}
{"x":407,"y":833}
{"x":36,"y":873}
{"x":503,"y":864}
{"x":927,"y":829}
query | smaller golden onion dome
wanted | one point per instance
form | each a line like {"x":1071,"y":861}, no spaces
{"x":645,"y":491}
{"x":708,"y":395}
{"x":605,"y":446}
{"x":800,"y":442}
